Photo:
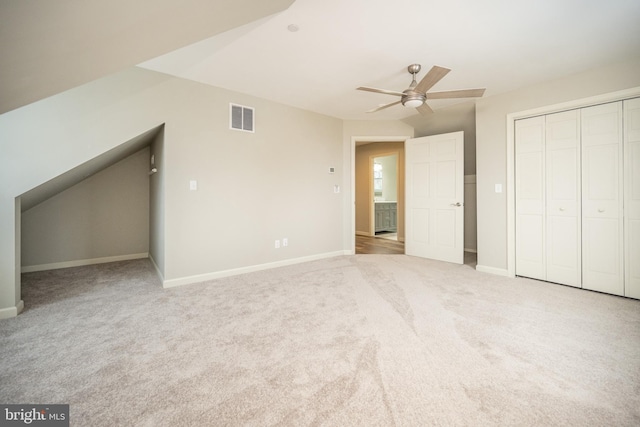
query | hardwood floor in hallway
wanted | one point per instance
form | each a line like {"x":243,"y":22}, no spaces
{"x":376,"y":245}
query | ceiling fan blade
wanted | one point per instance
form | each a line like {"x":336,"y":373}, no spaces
{"x":464,"y":93}
{"x":384,"y":106}
{"x":424,"y":109}
{"x":434,"y":75}
{"x":387,"y":92}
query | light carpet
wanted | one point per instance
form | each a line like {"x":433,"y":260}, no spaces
{"x":363,"y":340}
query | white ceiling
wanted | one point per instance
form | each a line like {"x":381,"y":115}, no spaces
{"x":47,"y":47}
{"x":342,"y":44}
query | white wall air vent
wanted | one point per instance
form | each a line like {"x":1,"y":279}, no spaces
{"x":241,"y":118}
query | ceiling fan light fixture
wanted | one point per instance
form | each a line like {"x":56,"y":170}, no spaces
{"x":413,"y":100}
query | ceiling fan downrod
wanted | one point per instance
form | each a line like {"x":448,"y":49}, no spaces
{"x":412,"y":98}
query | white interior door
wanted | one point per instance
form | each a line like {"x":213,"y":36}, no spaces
{"x":602,"y":179}
{"x":632,"y":197}
{"x":434,"y":197}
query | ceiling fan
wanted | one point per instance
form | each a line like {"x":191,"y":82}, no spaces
{"x":416,"y":94}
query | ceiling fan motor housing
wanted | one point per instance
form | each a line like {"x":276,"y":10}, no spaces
{"x":413,"y":99}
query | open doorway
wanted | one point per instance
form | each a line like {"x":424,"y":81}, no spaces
{"x":379,"y":197}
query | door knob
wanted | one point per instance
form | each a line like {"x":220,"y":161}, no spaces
{"x":600,"y":210}
{"x":456,"y":204}
{"x":561,"y":209}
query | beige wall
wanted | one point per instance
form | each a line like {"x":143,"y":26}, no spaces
{"x":363,"y":196}
{"x":491,"y":145}
{"x":470,"y":222}
{"x":105,"y":215}
{"x":253,"y":188}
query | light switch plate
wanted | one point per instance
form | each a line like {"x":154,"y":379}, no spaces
{"x":498,"y":188}
{"x":193,"y":185}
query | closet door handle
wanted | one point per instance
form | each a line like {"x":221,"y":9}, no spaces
{"x":456,"y":204}
{"x":561,"y":209}
{"x":600,"y":210}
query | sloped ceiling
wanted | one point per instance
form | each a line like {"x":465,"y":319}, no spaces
{"x":49,"y":46}
{"x":72,"y":177}
{"x":502,"y":45}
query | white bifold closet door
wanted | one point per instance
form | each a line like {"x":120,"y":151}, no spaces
{"x":530,"y":198}
{"x":602,"y":197}
{"x":563,"y":214}
{"x":548,"y":218}
{"x":578,"y":197}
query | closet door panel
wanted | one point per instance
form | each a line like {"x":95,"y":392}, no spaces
{"x":632,"y":197}
{"x":530,"y":198}
{"x":562,"y":146}
{"x":530,"y":247}
{"x":563,"y":237}
{"x":602,"y":237}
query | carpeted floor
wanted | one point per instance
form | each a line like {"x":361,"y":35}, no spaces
{"x":370,"y":340}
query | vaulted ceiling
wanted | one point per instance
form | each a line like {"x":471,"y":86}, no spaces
{"x":342,"y":44}
{"x":245,"y":45}
{"x":49,"y":46}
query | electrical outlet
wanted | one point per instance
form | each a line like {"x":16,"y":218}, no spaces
{"x":336,"y":188}
{"x":285,"y":242}
{"x":193,"y":185}
{"x":277,"y":244}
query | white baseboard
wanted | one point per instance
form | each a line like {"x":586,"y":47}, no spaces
{"x":81,"y":262}
{"x":7,"y":313}
{"x":250,"y":269}
{"x":158,"y":272}
{"x":493,"y":270}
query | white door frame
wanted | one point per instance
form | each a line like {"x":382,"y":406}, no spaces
{"x":511,"y":118}
{"x":354,"y":139}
